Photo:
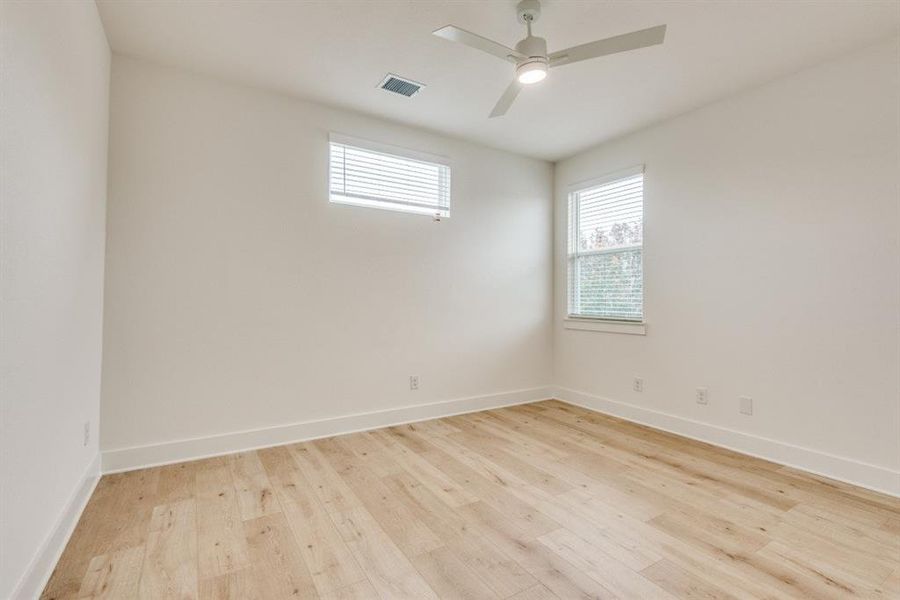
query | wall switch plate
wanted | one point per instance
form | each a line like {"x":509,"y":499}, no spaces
{"x":746,"y":405}
{"x":638,"y":384}
{"x":702,"y":395}
{"x":87,"y":434}
{"x":413,"y":382}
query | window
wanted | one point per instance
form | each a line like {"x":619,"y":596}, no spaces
{"x":605,"y":270}
{"x":379,"y":176}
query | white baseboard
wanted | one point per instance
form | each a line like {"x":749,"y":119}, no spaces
{"x":41,"y":567}
{"x":128,"y":459}
{"x":865,"y":475}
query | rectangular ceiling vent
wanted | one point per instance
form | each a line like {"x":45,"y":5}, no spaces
{"x":399,"y":85}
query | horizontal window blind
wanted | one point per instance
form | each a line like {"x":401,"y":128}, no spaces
{"x":380,"y":179}
{"x":605,"y":249}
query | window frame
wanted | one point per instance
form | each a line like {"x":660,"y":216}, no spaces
{"x":438,"y":213}
{"x":589,"y":322}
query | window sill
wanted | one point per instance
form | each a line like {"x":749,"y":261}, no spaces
{"x":606,"y":326}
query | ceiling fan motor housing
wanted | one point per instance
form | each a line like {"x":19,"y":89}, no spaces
{"x":533,"y":67}
{"x":533,"y":47}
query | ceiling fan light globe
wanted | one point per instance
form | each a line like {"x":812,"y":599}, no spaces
{"x":531,"y":72}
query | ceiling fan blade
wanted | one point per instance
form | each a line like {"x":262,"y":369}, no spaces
{"x":506,"y":99}
{"x":473,"y":40}
{"x":619,"y":43}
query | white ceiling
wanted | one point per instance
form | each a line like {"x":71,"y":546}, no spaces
{"x":337,"y":52}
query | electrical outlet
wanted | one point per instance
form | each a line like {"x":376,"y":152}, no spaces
{"x":87,"y":433}
{"x":638,"y":384}
{"x":746,"y":405}
{"x":413,"y":382}
{"x":702,"y":395}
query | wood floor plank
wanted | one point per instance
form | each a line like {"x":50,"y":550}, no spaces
{"x":409,"y":533}
{"x":502,"y":574}
{"x":855,"y":544}
{"x":236,"y":585}
{"x":388,"y":569}
{"x":358,"y":591}
{"x":559,"y":575}
{"x":449,"y":577}
{"x":486,"y":468}
{"x":838,"y":576}
{"x":494,"y":491}
{"x":254,"y":491}
{"x":538,"y":592}
{"x":683,"y":584}
{"x":369,"y":453}
{"x":333,"y":492}
{"x":556,"y":435}
{"x":798,"y":578}
{"x":892,"y":526}
{"x":685,"y":494}
{"x":330,"y":562}
{"x":609,"y":530}
{"x":432,"y":427}
{"x":277,"y":562}
{"x":544,"y":501}
{"x":221,"y":545}
{"x":113,"y":576}
{"x":493,"y":452}
{"x":490,"y":424}
{"x":177,"y":482}
{"x":555,"y":462}
{"x":890,"y":588}
{"x":846,"y":491}
{"x":602,"y":567}
{"x":670,"y":457}
{"x":722,"y":534}
{"x":445,"y":488}
{"x":643,"y":458}
{"x":864,"y":559}
{"x":170,"y":560}
{"x":727,"y":572}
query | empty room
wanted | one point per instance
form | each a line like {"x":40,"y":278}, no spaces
{"x":462,"y":300}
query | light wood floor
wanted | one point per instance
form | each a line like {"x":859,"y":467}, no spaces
{"x":533,"y":502}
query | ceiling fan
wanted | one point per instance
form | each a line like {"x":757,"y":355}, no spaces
{"x":530,"y":55}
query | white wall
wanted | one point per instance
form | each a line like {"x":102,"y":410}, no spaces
{"x":53,"y":134}
{"x":771,"y":270}
{"x":238,"y":297}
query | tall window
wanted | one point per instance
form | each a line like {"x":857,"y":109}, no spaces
{"x":369,"y":174}
{"x":606,"y":218}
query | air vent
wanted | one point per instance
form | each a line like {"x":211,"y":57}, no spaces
{"x":398,"y":85}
